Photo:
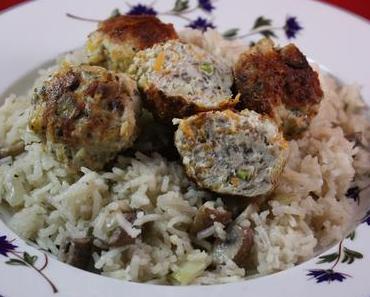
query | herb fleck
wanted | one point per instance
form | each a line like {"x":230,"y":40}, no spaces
{"x":207,"y":68}
{"x":244,"y":174}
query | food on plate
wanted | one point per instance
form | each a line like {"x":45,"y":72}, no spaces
{"x":86,"y":114}
{"x":155,"y":137}
{"x":278,"y":82}
{"x":76,"y":252}
{"x":236,"y":247}
{"x":232,"y":153}
{"x":179,"y":79}
{"x":116,"y":41}
{"x":234,"y":190}
{"x":114,"y":225}
{"x":12,"y":150}
{"x":207,"y":215}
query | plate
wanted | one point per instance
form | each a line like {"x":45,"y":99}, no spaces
{"x":36,"y":32}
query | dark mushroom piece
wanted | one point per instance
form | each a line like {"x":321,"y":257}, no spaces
{"x":112,"y":230}
{"x":76,"y":252}
{"x":207,"y":215}
{"x":237,"y":246}
{"x":12,"y":151}
{"x":236,"y":205}
{"x":119,"y":236}
{"x":358,"y":138}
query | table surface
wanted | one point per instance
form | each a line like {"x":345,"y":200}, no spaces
{"x":359,"y":7}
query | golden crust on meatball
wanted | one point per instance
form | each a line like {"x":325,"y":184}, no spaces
{"x":143,"y":31}
{"x":117,"y":39}
{"x":278,"y":82}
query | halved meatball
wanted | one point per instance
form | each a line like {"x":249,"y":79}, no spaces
{"x":86,"y":115}
{"x":278,"y":82}
{"x":241,"y":154}
{"x":116,"y":41}
{"x":179,"y":79}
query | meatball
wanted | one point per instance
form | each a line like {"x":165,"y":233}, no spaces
{"x":278,"y":82}
{"x":116,"y":41}
{"x":240,"y":154}
{"x":179,"y":79}
{"x":86,"y":115}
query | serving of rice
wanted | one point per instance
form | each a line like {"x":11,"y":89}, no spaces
{"x":307,"y":212}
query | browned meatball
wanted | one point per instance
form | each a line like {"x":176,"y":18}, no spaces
{"x":86,"y":115}
{"x":278,"y":82}
{"x":117,"y":40}
{"x":238,"y":154}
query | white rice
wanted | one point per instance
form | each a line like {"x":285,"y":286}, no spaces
{"x":308,"y":210}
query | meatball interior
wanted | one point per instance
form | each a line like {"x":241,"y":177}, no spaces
{"x":232,"y":153}
{"x":279,"y":83}
{"x":117,"y":39}
{"x":86,"y":114}
{"x":179,"y":79}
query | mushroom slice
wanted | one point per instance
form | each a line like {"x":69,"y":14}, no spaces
{"x":76,"y":252}
{"x":119,"y":236}
{"x":12,"y":151}
{"x":237,"y":246}
{"x":113,"y":227}
{"x":207,"y":215}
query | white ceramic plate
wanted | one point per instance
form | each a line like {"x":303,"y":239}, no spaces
{"x":36,"y":32}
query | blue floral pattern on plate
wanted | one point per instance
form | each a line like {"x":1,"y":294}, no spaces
{"x":16,"y":258}
{"x":181,"y":9}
